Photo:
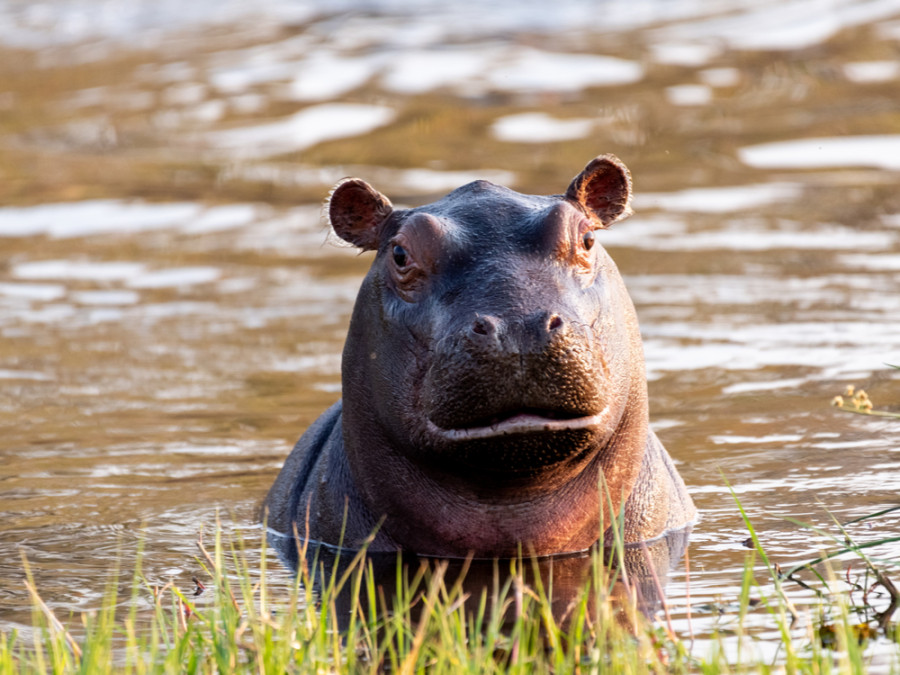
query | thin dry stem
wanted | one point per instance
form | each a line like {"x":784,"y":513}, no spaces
{"x":213,"y":566}
{"x":55,"y":623}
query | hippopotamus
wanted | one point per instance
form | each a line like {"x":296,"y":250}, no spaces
{"x":494,"y":396}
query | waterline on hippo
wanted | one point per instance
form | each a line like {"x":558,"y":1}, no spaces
{"x":492,"y":377}
{"x":630,"y":574}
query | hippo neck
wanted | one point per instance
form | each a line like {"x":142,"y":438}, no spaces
{"x":425,"y":512}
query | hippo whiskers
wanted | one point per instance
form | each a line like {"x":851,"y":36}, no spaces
{"x":493,"y":378}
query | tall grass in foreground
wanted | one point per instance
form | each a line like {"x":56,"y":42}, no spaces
{"x":429,"y":623}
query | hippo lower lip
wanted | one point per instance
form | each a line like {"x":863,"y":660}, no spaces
{"x":521,"y":423}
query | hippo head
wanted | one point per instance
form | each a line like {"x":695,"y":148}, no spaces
{"x":493,"y":363}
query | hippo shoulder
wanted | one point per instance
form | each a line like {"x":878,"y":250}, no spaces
{"x":659,"y":503}
{"x":292,"y":483}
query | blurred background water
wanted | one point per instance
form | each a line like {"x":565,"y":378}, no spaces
{"x":172,"y":311}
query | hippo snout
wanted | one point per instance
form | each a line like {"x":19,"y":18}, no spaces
{"x":494,"y":368}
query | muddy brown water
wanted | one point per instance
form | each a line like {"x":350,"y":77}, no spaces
{"x":172,"y":310}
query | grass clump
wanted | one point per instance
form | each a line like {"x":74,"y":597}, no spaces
{"x":343,"y":614}
{"x":349,"y":612}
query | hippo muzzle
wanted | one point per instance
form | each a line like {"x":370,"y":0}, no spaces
{"x":512,"y":392}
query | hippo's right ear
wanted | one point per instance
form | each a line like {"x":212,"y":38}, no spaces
{"x":603,"y":189}
{"x":356,"y":211}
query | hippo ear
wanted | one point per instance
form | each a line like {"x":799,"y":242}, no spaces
{"x":356,"y":211}
{"x":603,"y":189}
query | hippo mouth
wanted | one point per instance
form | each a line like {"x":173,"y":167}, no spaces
{"x":528,"y":421}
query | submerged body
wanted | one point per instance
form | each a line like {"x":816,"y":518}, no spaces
{"x":494,"y":394}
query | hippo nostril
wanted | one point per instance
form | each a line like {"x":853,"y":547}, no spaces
{"x":555,"y":322}
{"x":484,"y":325}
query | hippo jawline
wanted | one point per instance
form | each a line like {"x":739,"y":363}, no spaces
{"x":522,"y":422}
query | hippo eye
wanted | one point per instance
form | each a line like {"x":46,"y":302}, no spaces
{"x":400,"y":256}
{"x":588,"y":240}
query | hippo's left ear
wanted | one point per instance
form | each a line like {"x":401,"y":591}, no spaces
{"x":603,"y":189}
{"x":356,"y":211}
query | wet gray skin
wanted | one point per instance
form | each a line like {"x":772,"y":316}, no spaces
{"x":493,"y":382}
